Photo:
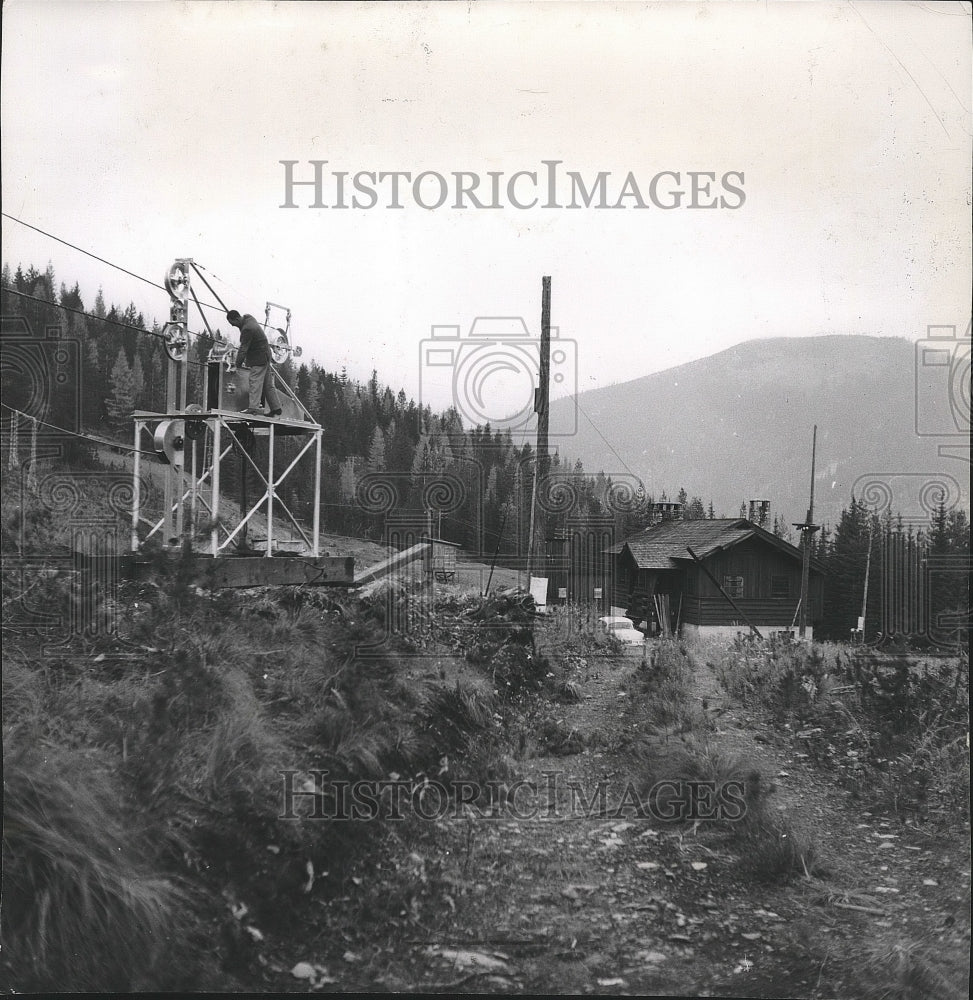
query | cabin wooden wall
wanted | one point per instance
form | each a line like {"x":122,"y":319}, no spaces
{"x":758,"y":564}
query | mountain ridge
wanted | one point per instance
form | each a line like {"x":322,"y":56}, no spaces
{"x":738,"y":425}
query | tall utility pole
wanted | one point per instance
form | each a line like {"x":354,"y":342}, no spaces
{"x":542,"y":462}
{"x":807,"y":530}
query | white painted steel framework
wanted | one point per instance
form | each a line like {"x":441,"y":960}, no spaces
{"x":221,"y":434}
{"x":218,"y":430}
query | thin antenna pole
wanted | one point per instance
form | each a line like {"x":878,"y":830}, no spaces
{"x":868,"y":564}
{"x":807,"y":534}
{"x":814,"y":448}
{"x":496,"y":552}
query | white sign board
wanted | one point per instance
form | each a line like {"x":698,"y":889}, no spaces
{"x":538,"y":590}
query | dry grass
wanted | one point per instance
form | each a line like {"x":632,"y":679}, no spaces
{"x":775,"y":849}
{"x":912,"y":971}
{"x":663,"y":692}
{"x":83,"y":909}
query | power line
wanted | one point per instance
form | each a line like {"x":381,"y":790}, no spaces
{"x":161,"y":336}
{"x":81,"y":312}
{"x":221,"y":308}
{"x":105,"y":442}
{"x":605,"y":440}
{"x":100,"y":319}
{"x":95,"y":256}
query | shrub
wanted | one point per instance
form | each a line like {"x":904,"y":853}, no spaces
{"x":663,"y":690}
{"x":771,"y":846}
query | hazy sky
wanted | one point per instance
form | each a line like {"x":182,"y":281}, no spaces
{"x":155,"y":130}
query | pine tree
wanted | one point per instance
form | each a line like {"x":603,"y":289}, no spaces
{"x":92,"y":399}
{"x":421,"y":460}
{"x":949,"y":591}
{"x":376,"y":452}
{"x":401,"y":446}
{"x":781,"y":529}
{"x":121,"y":398}
{"x":156,"y":395}
{"x":696,"y":511}
{"x":313,"y":398}
{"x":846,"y":561}
{"x":138,"y":380}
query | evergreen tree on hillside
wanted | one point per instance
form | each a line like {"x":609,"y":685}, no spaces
{"x":696,"y":511}
{"x":121,"y":397}
{"x":781,"y":528}
{"x":95,"y":386}
{"x":949,"y":581}
{"x":312,"y":396}
{"x":138,"y":381}
{"x":401,"y":446}
{"x":72,"y":299}
{"x":376,"y":451}
{"x":422,"y":457}
{"x":857,"y":531}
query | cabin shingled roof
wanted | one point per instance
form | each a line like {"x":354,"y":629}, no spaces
{"x":660,"y":545}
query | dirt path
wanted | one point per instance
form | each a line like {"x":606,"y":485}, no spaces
{"x":559,"y":902}
{"x":562,"y":893}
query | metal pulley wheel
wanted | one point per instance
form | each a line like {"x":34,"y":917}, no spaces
{"x":175,"y":341}
{"x":280,"y":348}
{"x":177,"y":281}
{"x":195,"y":429}
{"x":170,"y":442}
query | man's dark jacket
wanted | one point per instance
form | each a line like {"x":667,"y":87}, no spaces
{"x":254,"y":349}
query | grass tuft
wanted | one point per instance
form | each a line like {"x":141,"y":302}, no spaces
{"x":83,"y":909}
{"x":912,"y":971}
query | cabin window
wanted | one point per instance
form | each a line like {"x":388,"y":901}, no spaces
{"x":733,"y":585}
{"x":780,"y":586}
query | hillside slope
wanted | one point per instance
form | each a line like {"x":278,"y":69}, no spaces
{"x":738,"y":425}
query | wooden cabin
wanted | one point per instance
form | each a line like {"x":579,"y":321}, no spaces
{"x":761,"y":572}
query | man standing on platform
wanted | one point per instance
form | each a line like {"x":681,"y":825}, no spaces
{"x":254,"y":354}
